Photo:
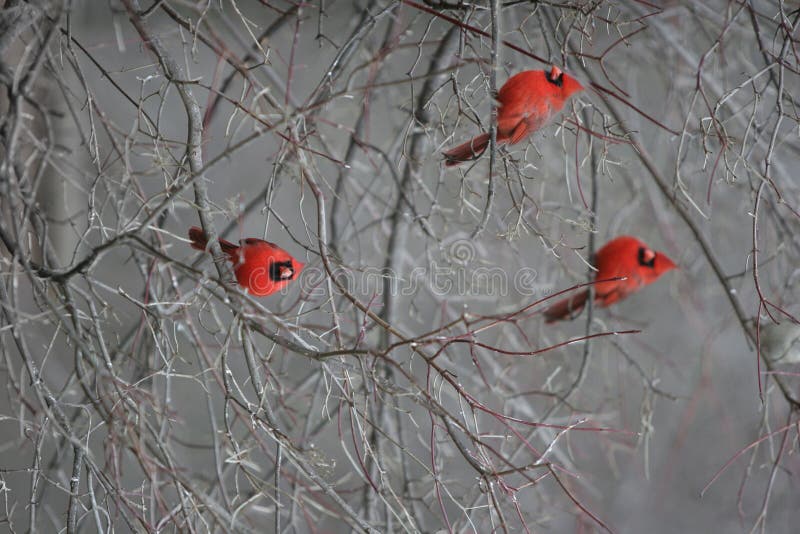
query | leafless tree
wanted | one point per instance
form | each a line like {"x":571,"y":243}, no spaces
{"x":406,"y":381}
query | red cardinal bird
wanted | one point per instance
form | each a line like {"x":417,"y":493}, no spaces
{"x":261,"y":267}
{"x":528,"y":100}
{"x":626,"y":257}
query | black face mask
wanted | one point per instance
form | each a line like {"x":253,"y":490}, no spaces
{"x":278,"y":271}
{"x":558,"y":81}
{"x":643,"y":261}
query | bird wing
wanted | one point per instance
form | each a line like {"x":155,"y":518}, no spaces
{"x":519,"y":132}
{"x":254,"y":241}
{"x":610,"y":292}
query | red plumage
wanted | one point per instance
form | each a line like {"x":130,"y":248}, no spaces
{"x":527,"y":101}
{"x":623,"y":257}
{"x":261,"y":267}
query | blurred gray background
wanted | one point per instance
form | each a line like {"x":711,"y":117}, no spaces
{"x":381,"y":386}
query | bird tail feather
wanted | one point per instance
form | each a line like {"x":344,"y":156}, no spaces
{"x":466,"y":151}
{"x":566,"y":307}
{"x":200,"y":241}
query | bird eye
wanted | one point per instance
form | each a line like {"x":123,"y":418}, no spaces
{"x":555,"y":76}
{"x":647,"y":258}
